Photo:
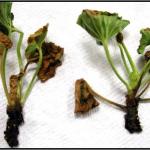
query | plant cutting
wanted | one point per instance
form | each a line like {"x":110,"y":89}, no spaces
{"x":47,"y":57}
{"x":104,"y":26}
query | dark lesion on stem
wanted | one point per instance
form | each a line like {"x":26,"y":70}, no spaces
{"x":14,"y":112}
{"x":132,"y":123}
{"x":15,"y":119}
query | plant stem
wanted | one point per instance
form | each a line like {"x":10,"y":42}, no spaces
{"x":3,"y":74}
{"x":122,"y":107}
{"x":145,"y":82}
{"x":134,"y":68}
{"x":18,"y":49}
{"x":113,"y":66}
{"x":143,"y":72}
{"x":132,"y":121}
{"x":144,"y":100}
{"x":3,"y":69}
{"x":19,"y":59}
{"x":145,"y":69}
{"x":124,"y":59}
{"x":29,"y":88}
{"x":142,"y":92}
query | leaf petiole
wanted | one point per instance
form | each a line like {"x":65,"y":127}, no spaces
{"x":124,"y":59}
{"x":122,"y":107}
{"x":134,"y":68}
{"x":19,"y":58}
{"x":29,"y":88}
{"x":19,"y":47}
{"x":113,"y":66}
{"x":3,"y":73}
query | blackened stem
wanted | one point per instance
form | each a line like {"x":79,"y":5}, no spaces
{"x":15,"y":119}
{"x":132,"y":123}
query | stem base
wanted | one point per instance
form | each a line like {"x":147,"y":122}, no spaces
{"x":14,"y":121}
{"x":132,"y":123}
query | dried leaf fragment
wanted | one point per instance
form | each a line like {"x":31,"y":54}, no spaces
{"x":147,"y":55}
{"x":4,"y":41}
{"x":52,"y":59}
{"x":84,"y":100}
{"x":39,"y":35}
{"x":14,"y":82}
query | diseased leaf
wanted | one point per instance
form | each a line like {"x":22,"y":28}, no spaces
{"x":52,"y":59}
{"x":101,"y":25}
{"x":36,"y":39}
{"x":84,"y":100}
{"x":144,"y":41}
{"x":147,"y":56}
{"x":39,"y":35}
{"x":4,"y":42}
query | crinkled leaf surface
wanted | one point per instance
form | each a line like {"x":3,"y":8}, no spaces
{"x":101,"y":25}
{"x":145,"y":40}
{"x":36,"y":40}
{"x":6,"y":17}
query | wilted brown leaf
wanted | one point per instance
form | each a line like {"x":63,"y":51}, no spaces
{"x":4,"y":40}
{"x":52,"y":59}
{"x":84,"y":100}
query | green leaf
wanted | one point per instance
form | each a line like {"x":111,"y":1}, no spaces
{"x":6,"y":17}
{"x":35,"y":40}
{"x":144,"y":41}
{"x":101,"y":25}
{"x":31,"y":49}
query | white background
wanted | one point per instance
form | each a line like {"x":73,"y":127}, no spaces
{"x":49,"y":110}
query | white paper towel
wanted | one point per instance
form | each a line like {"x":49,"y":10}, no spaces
{"x":49,"y":110}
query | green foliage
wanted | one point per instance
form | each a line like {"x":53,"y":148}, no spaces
{"x":101,"y":25}
{"x":145,"y":40}
{"x":6,"y":17}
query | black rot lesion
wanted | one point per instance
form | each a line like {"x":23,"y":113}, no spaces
{"x":14,"y":112}
{"x":132,"y":122}
{"x":15,"y":119}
